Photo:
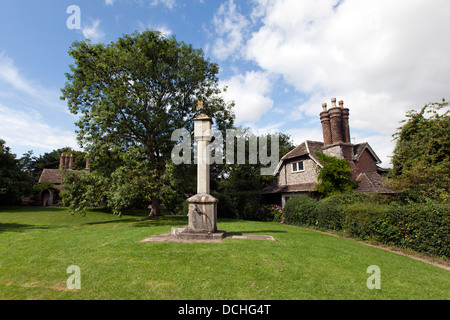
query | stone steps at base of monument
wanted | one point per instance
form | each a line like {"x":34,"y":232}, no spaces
{"x":184,"y":233}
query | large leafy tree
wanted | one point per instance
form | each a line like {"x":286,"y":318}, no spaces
{"x":14,"y":182}
{"x":421,"y":161}
{"x":131,"y":95}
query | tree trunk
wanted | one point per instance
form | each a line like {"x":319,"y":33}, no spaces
{"x":155,"y":209}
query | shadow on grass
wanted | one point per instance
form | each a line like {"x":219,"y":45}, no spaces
{"x":239,"y":233}
{"x":19,"y":227}
{"x":169,"y":220}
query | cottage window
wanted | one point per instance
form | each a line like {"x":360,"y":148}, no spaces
{"x":297,"y":166}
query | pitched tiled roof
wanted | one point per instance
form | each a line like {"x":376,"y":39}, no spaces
{"x":372,"y":182}
{"x":305,"y":148}
{"x":359,"y":148}
{"x":300,"y":187}
{"x":54,"y":176}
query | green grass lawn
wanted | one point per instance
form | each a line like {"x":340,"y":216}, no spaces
{"x":37,"y":245}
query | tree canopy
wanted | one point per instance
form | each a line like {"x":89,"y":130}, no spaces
{"x":131,"y":95}
{"x":421,"y":158}
{"x":14,"y":182}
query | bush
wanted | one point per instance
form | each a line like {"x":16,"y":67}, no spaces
{"x":329,"y":213}
{"x":423,"y":227}
{"x":245,"y":204}
{"x":269,"y":212}
{"x":300,"y":211}
{"x":361,"y":219}
{"x":225,"y":207}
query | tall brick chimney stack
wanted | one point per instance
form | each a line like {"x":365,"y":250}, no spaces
{"x":326,"y":129}
{"x":61,"y":161}
{"x":88,"y":165}
{"x":345,"y":124}
{"x":66,"y":161}
{"x":335,"y":122}
{"x":70,"y":162}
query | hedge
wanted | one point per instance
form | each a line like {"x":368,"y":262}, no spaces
{"x":423,"y":227}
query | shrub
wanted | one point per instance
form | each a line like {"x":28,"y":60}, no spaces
{"x":269,"y":212}
{"x":423,"y":227}
{"x":245,"y":203}
{"x":362,"y":218}
{"x":329,"y":214}
{"x":300,"y":211}
{"x":225,"y":207}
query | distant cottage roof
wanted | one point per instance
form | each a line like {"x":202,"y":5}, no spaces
{"x":54,"y":176}
{"x":372,"y":182}
{"x":300,"y":187}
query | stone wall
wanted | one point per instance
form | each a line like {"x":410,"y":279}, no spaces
{"x":308,"y":175}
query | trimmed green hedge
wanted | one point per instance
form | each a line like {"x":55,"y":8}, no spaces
{"x":423,"y":227}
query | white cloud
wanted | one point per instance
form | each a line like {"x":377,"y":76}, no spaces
{"x":382,"y":58}
{"x":10,"y":74}
{"x":168,"y":3}
{"x":25,"y":108}
{"x":25,"y":131}
{"x":109,"y":2}
{"x":230,"y":26}
{"x":93,"y":31}
{"x":14,"y":84}
{"x":250,"y":93}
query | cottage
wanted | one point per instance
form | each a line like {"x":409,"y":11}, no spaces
{"x":297,"y":171}
{"x":51,"y":196}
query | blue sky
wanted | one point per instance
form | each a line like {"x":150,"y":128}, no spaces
{"x":280,"y":60}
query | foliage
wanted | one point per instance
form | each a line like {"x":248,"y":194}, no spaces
{"x":300,"y":211}
{"x":421,"y":163}
{"x":423,"y":227}
{"x":335,"y":176}
{"x":269,"y":213}
{"x":131,"y":95}
{"x":79,"y":192}
{"x":248,"y":177}
{"x":14,"y":182}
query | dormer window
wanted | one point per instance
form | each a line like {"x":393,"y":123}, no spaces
{"x":297,"y":166}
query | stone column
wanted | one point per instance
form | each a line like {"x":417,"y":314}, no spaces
{"x":202,"y":134}
{"x":202,"y":206}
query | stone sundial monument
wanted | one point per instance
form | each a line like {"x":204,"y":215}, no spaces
{"x":202,"y":226}
{"x":202,"y":206}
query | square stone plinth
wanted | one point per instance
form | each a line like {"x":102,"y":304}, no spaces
{"x":202,"y":214}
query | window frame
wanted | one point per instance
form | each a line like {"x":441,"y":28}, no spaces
{"x":296,"y":163}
